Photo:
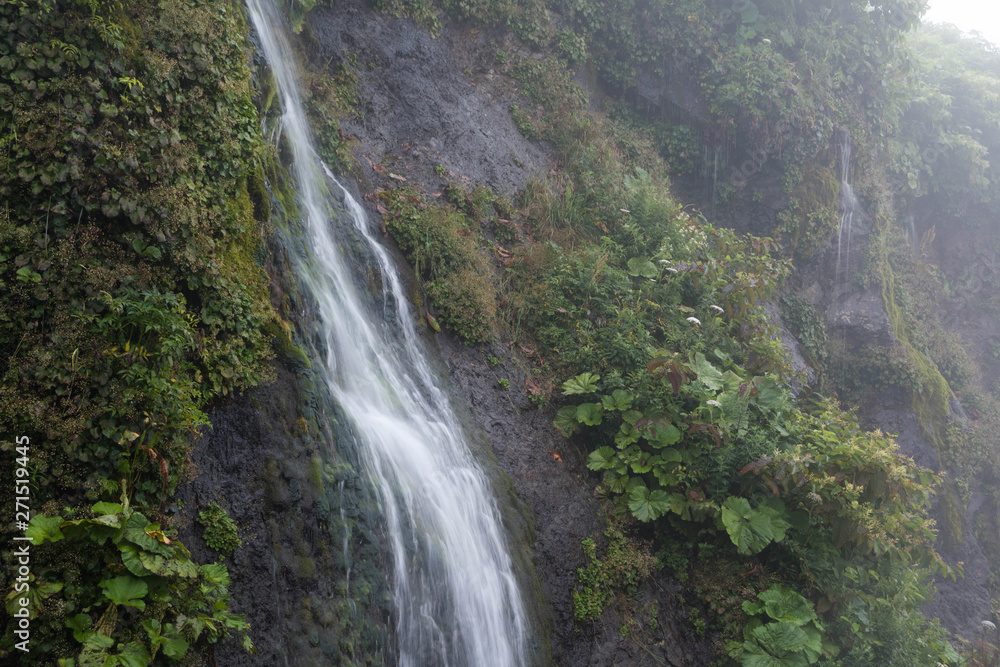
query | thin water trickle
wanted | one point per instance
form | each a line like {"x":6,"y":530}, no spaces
{"x":911,"y":234}
{"x":848,"y":203}
{"x":345,"y":543}
{"x":715,"y":174}
{"x":456,"y":597}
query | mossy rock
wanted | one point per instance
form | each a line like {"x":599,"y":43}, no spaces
{"x":811,"y":219}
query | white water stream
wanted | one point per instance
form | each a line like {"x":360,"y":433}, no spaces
{"x":848,"y":203}
{"x":456,"y":598}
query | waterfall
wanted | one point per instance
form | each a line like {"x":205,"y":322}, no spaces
{"x":847,"y":203}
{"x":456,"y":598}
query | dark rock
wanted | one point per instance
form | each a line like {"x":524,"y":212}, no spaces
{"x":861,"y":318}
{"x":418,"y":110}
{"x":804,"y":374}
{"x":961,"y":603}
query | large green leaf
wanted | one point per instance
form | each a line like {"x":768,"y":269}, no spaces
{"x":620,"y":400}
{"x":167,"y":567}
{"x":167,"y":637}
{"x":779,"y":638}
{"x":95,"y":650}
{"x":133,"y":655}
{"x":97,"y":530}
{"x":626,"y":435}
{"x":589,"y":414}
{"x":814,"y":643}
{"x":584,"y":383}
{"x":647,"y":505}
{"x":641,"y":462}
{"x":140,"y":531}
{"x":126,"y":590}
{"x":638,"y":266}
{"x":707,"y":373}
{"x":38,"y":591}
{"x":751,"y":529}
{"x":756,"y":656}
{"x":130,"y":557}
{"x":663,"y":435}
{"x":604,"y":458}
{"x":216,"y":574}
{"x":42,"y":528}
{"x":785,"y":604}
{"x":566,"y":420}
{"x":79,"y":624}
{"x":106,"y":508}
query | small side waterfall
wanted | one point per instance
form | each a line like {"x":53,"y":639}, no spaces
{"x":456,"y":598}
{"x":848,"y":203}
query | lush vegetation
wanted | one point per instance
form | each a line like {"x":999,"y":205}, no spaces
{"x":131,"y":248}
{"x":652,"y":318}
{"x":133,"y":290}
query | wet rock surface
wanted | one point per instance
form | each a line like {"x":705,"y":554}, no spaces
{"x":961,"y":603}
{"x":549,"y":474}
{"x":418,"y":109}
{"x":440,"y":101}
{"x":278,"y":476}
{"x":861,"y":318}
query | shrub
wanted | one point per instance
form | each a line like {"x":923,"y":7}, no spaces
{"x":220,"y":531}
{"x":439,"y":243}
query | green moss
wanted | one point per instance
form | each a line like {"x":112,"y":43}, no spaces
{"x":220,"y":532}
{"x":952,"y":525}
{"x":931,"y":401}
{"x":626,"y":564}
{"x":316,"y":476}
{"x":810,"y":219}
{"x":257,"y":190}
{"x":441,"y":246}
{"x":808,"y":327}
{"x":305,"y":567}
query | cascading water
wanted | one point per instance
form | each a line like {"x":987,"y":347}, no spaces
{"x":456,"y":598}
{"x":848,"y":203}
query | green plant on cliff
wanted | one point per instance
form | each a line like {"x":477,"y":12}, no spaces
{"x":220,"y":533}
{"x":133,"y":292}
{"x":439,"y":243}
{"x":626,"y":563}
{"x":810,"y":220}
{"x":135,"y":592}
{"x":808,"y":327}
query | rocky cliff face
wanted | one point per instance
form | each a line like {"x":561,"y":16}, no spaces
{"x":310,"y":577}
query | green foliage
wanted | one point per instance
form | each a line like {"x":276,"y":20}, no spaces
{"x":945,"y":154}
{"x":784,"y":631}
{"x":626,"y":563}
{"x":931,"y":401}
{"x":808,"y":327}
{"x":752,"y":529}
{"x":174,"y":601}
{"x":528,"y":19}
{"x":777,"y":76}
{"x":329,"y":95}
{"x":810,"y":220}
{"x":120,"y":199}
{"x":220,"y":531}
{"x":423,"y":12}
{"x":131,"y":243}
{"x":438,"y":242}
{"x":572,"y":47}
